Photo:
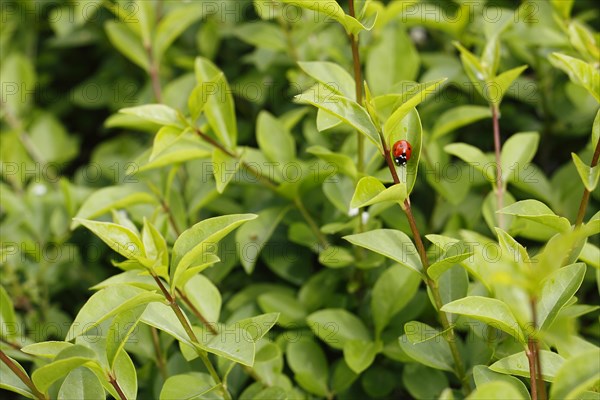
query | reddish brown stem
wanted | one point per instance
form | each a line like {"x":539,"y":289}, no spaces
{"x":497,"y":151}
{"x":586,"y":193}
{"x":115,"y":385}
{"x":532,"y":368}
{"x":197,"y":312}
{"x":21,"y":375}
{"x":538,"y":388}
{"x":160,"y":361}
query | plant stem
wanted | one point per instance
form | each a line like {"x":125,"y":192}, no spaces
{"x":497,"y":151}
{"x":115,"y":384}
{"x":154,"y":74}
{"x":586,"y":193}
{"x":188,"y":329}
{"x":358,"y":87}
{"x":160,"y":361}
{"x":22,"y":376}
{"x":538,"y":388}
{"x":450,"y":335}
{"x":197,"y":312}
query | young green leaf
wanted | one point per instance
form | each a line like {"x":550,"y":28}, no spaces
{"x":475,"y":157}
{"x":491,"y":311}
{"x":162,"y":317}
{"x":410,"y":129}
{"x":107,"y":303}
{"x":81,"y":383}
{"x":497,"y":87}
{"x":390,"y":243}
{"x":66,"y":361}
{"x":343,"y":108}
{"x":483,"y":375}
{"x":436,"y":269}
{"x":370,"y":190}
{"x":205,"y":296}
{"x":331,"y":9}
{"x":125,"y":373}
{"x":191,"y":385}
{"x":557,"y":289}
{"x":219,"y":109}
{"x":122,"y":327}
{"x":157,"y":113}
{"x":146,"y":20}
{"x":537,"y":211}
{"x":224,"y":168}
{"x":8,"y":320}
{"x":517,"y":364}
{"x":577,"y":374}
{"x":415,"y":97}
{"x":11,"y":381}
{"x":174,"y":23}
{"x":200,"y":240}
{"x":517,"y":152}
{"x":119,"y":238}
{"x":589,"y":176}
{"x":292,"y":312}
{"x":426,"y":345}
{"x":336,"y":78}
{"x":343,"y":163}
{"x":580,"y":72}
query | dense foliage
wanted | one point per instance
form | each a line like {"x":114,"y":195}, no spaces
{"x":199,"y":199}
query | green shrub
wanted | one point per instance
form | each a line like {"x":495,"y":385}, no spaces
{"x":235,"y":161}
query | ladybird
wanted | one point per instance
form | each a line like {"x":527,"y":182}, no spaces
{"x":401,"y":151}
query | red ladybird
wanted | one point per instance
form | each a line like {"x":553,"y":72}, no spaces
{"x":401,"y":151}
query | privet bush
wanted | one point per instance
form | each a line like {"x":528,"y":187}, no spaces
{"x":201,"y":199}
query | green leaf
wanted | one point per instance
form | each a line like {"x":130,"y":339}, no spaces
{"x":342,"y":377}
{"x":472,"y":65}
{"x":557,"y":290}
{"x":496,"y":390}
{"x":391,"y":293}
{"x":66,"y":361}
{"x":172,"y":146}
{"x":125,"y":374}
{"x":438,"y":268}
{"x":155,"y":248}
{"x":163,"y":318}
{"x":331,"y":9}
{"x":46,"y":349}
{"x":336,"y":257}
{"x":119,"y":238}
{"x":307,"y":360}
{"x":475,"y":157}
{"x":539,"y":212}
{"x":292,"y":312}
{"x":336,"y":326}
{"x":580,"y":72}
{"x":341,"y":162}
{"x":458,"y":117}
{"x":258,"y":326}
{"x":392,"y":59}
{"x":511,"y":247}
{"x":423,"y":382}
{"x":343,"y":108}
{"x":370,"y":190}
{"x":232,"y":341}
{"x":517,"y":152}
{"x":146,"y":20}
{"x":195,"y":243}
{"x":191,"y":386}
{"x":253,"y":236}
{"x":10,"y":381}
{"x":8,"y":321}
{"x":172,"y":25}
{"x":390,"y":243}
{"x":518,"y":364}
{"x":576,"y":375}
{"x":491,"y":311}
{"x":224,"y":168}
{"x":336,"y":78}
{"x":275,"y":141}
{"x":264,"y":35}
{"x":483,"y":375}
{"x":107,"y":303}
{"x":112,"y":197}
{"x":414,"y":98}
{"x":122,"y":327}
{"x":219,"y":109}
{"x":497,"y":87}
{"x":157,"y":113}
{"x":589,"y":176}
{"x":81,"y":383}
{"x":205,"y":296}
{"x":128,"y":43}
{"x":426,"y":345}
{"x":360,"y":354}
